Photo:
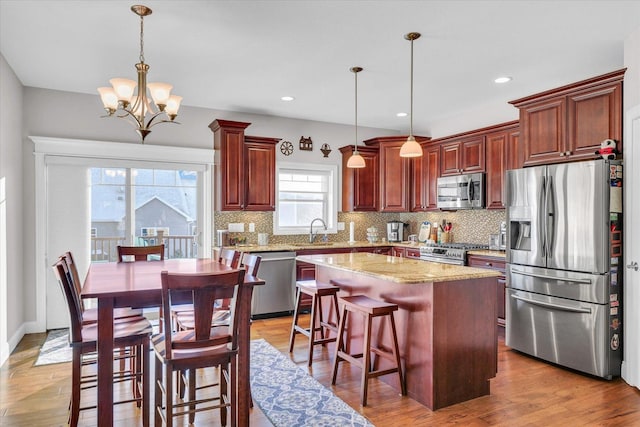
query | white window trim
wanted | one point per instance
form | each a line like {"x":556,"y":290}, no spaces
{"x":333,"y":212}
{"x":59,"y":150}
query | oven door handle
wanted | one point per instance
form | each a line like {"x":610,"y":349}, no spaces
{"x":550,"y":305}
{"x":542,"y":276}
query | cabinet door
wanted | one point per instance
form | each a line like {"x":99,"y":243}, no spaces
{"x":305,"y":271}
{"x":425,"y":173}
{"x":433,"y":172}
{"x":232,"y":170}
{"x":413,"y":253}
{"x":473,"y":155}
{"x":515,"y":153}
{"x":394,"y":178}
{"x":496,"y":166}
{"x":543,"y":127}
{"x":450,"y":158}
{"x":593,"y":116}
{"x":493,"y":263}
{"x":260,"y":167}
{"x":463,"y":156}
{"x":360,"y":187}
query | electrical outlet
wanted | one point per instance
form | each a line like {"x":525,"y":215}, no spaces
{"x":236,"y":227}
{"x":252,"y":227}
{"x":340,"y":226}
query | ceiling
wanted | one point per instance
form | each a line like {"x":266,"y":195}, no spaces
{"x":244,"y":55}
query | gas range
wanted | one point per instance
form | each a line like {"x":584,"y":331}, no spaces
{"x":448,"y":253}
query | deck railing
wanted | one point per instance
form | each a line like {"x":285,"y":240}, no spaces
{"x":106,"y":248}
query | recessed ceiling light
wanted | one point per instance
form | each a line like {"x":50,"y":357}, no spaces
{"x":287,"y":98}
{"x":502,"y":79}
{"x":401,"y":114}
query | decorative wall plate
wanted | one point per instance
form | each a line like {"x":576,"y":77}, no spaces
{"x":306,"y":144}
{"x":286,"y":148}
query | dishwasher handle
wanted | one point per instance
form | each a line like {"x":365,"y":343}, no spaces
{"x":550,"y":305}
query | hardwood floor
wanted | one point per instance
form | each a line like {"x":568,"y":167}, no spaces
{"x":526,"y":392}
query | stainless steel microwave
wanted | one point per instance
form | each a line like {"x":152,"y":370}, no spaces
{"x":461,"y":191}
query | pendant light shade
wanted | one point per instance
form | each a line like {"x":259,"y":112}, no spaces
{"x":356,"y":160}
{"x":411,"y":148}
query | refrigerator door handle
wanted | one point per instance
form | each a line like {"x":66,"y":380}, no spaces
{"x":542,"y":215}
{"x":549,"y":218}
{"x":550,"y":305}
{"x":542,"y":276}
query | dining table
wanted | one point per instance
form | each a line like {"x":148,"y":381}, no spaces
{"x":138,"y":284}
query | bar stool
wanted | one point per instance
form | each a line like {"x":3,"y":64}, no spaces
{"x":317,"y":323}
{"x":369,"y":308}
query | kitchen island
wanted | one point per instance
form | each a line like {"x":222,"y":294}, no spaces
{"x":446,"y":320}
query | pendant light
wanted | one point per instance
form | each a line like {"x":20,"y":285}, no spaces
{"x":356,"y":160}
{"x":411,"y":148}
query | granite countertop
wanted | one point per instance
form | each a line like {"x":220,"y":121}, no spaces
{"x":294,"y":247}
{"x":487,"y":252}
{"x":398,"y":270}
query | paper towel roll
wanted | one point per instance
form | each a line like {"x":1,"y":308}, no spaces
{"x":352,"y":232}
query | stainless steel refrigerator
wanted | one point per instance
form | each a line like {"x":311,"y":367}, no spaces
{"x":564,"y":247}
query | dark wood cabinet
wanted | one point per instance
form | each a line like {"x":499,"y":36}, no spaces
{"x":245,"y":175}
{"x":499,"y":144}
{"x":394,"y":172}
{"x":260,"y":173}
{"x":425,"y":173}
{"x":398,"y":251}
{"x":464,"y":156}
{"x":570,"y":122}
{"x":515,"y":153}
{"x":498,"y":264}
{"x":360,"y":187}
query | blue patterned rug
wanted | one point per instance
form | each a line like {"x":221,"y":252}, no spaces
{"x":290,"y":397}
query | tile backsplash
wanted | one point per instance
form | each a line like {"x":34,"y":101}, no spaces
{"x":468,"y":226}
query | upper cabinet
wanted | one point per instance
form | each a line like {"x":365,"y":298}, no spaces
{"x":260,"y":173}
{"x":570,"y":122}
{"x":462,"y":156}
{"x":424,"y":179}
{"x":394,"y":172}
{"x":360,"y":187}
{"x":502,"y":154}
{"x":245,"y":175}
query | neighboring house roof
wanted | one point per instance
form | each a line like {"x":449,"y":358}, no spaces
{"x":108,"y":204}
{"x":186,"y":216}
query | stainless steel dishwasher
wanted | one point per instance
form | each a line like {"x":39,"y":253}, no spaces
{"x":276,"y":297}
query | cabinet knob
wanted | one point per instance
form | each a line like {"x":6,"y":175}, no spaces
{"x":562,"y":154}
{"x":568,"y":153}
{"x":488,"y":264}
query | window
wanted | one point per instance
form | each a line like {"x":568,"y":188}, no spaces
{"x":305,"y":192}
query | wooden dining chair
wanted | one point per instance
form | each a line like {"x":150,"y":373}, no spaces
{"x":251,"y":263}
{"x":90,"y":315}
{"x":200,"y":347}
{"x":141,"y":253}
{"x":128,"y":335}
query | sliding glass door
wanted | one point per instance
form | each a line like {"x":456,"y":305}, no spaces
{"x":141,"y":207}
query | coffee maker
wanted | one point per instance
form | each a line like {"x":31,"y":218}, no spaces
{"x":396,"y":231}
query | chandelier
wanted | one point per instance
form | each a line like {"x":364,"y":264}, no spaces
{"x":411,"y":148}
{"x":137,"y":108}
{"x":356,"y":160}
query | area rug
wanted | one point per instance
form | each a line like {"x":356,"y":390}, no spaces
{"x":290,"y":397}
{"x":55,"y":349}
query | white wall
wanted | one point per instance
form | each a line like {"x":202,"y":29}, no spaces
{"x":77,"y":116}
{"x":632,"y":76}
{"x":11,"y":120}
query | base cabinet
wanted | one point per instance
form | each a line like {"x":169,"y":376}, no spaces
{"x":498,"y":264}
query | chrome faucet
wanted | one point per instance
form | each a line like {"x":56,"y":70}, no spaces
{"x":312,"y":237}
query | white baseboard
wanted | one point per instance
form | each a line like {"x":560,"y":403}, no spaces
{"x":7,"y":347}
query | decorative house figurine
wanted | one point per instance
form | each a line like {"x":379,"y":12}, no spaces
{"x":325,"y":150}
{"x":306,"y":144}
